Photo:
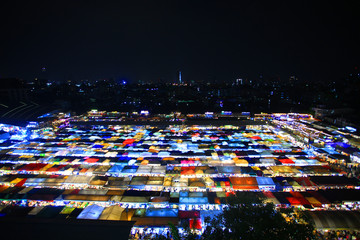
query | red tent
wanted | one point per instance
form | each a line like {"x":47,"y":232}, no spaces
{"x":56,"y":168}
{"x":195,"y":223}
{"x":91,"y":160}
{"x":286,"y":161}
{"x":32,"y":167}
{"x":128,"y":141}
{"x":305,"y":182}
{"x":19,"y":184}
{"x":187,"y":170}
{"x":256,"y":138}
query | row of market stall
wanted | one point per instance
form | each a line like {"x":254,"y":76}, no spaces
{"x":164,"y":170}
{"x":169,"y":183}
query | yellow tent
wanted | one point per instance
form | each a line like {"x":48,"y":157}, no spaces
{"x":112,"y":213}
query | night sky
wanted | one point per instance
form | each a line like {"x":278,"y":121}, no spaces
{"x":206,"y":40}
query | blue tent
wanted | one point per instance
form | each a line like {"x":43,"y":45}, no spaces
{"x":193,"y":200}
{"x":161,"y":212}
{"x":117,"y":168}
{"x":91,"y":212}
{"x":265,"y":183}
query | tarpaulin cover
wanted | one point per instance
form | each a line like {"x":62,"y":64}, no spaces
{"x":135,"y":199}
{"x":229,"y":169}
{"x":91,"y":212}
{"x":265,"y":182}
{"x":129,"y":169}
{"x":269,"y":197}
{"x":187,"y":170}
{"x":286,"y":161}
{"x":112,"y":213}
{"x":294,"y":201}
{"x":193,"y":200}
{"x":116,"y":168}
{"x":91,"y":160}
{"x":32,"y":167}
{"x":245,"y":183}
{"x":313,"y":201}
{"x":161,"y":212}
{"x":97,"y":198}
{"x":305,"y":182}
{"x":128,"y":141}
{"x":339,"y":219}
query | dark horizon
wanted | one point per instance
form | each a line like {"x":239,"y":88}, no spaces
{"x":206,"y":40}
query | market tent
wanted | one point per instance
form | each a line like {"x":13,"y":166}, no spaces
{"x":102,"y":169}
{"x":286,"y":161}
{"x":138,"y":181}
{"x":193,"y":200}
{"x":195,"y":223}
{"x":116,"y":198}
{"x":98,"y":180}
{"x":282,"y":169}
{"x":295,"y":185}
{"x":298,"y":197}
{"x":244,"y":183}
{"x":229,"y":169}
{"x":269,"y":197}
{"x":158,"y":170}
{"x":164,"y":199}
{"x":67,"y":210}
{"x":248,"y":171}
{"x":91,"y":160}
{"x":187,"y":170}
{"x":91,"y":191}
{"x":161,"y":212}
{"x":196,"y":182}
{"x":312,"y":199}
{"x":144,"y":169}
{"x":201,"y":170}
{"x":96,"y":198}
{"x":36,"y":210}
{"x":115,"y":182}
{"x":319,"y":196}
{"x":167,"y":181}
{"x":179,"y":182}
{"x":241,"y":162}
{"x":130,"y":169}
{"x":281,"y":197}
{"x":336,"y":220}
{"x":265,"y":183}
{"x":155,"y":181}
{"x":189,"y":214}
{"x":305,"y":182}
{"x":267,"y":161}
{"x":313,"y":162}
{"x":155,"y":221}
{"x":91,"y":212}
{"x":116,"y":168}
{"x":78,"y":179}
{"x":134,"y":199}
{"x":112,"y":213}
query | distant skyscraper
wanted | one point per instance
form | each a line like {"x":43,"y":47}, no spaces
{"x":180,"y":81}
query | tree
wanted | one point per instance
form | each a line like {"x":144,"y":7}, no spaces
{"x":248,"y":217}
